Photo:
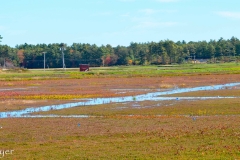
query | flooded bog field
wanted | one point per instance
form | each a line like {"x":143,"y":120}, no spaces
{"x":151,"y":96}
{"x":172,"y":117}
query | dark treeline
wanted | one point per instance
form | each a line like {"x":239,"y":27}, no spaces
{"x":163,"y":52}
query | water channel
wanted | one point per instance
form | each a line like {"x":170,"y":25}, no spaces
{"x":153,"y":96}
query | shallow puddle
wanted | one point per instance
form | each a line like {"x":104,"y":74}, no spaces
{"x":14,"y":89}
{"x":96,"y":101}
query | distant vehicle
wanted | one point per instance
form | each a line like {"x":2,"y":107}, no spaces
{"x":84,"y":67}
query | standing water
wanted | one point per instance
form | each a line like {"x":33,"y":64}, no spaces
{"x":96,"y":101}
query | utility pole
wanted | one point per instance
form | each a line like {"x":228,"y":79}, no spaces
{"x":44,"y":60}
{"x":194,"y":58}
{"x":4,"y":65}
{"x":62,"y":49}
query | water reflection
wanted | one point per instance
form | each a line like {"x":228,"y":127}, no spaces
{"x":56,"y":116}
{"x":96,"y":101}
{"x":15,"y":89}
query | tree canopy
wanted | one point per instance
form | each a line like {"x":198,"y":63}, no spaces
{"x":162,"y":52}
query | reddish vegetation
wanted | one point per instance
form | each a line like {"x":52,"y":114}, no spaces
{"x":170,"y":136}
{"x":97,"y":87}
{"x":103,"y":86}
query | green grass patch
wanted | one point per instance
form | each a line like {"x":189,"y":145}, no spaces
{"x":124,"y":71}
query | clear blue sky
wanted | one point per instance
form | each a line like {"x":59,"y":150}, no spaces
{"x":117,"y":22}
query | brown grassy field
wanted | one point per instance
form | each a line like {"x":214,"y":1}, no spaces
{"x":40,"y":92}
{"x":196,"y":129}
{"x":119,"y":137}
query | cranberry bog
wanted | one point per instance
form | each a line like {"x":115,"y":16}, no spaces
{"x":139,"y":112}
